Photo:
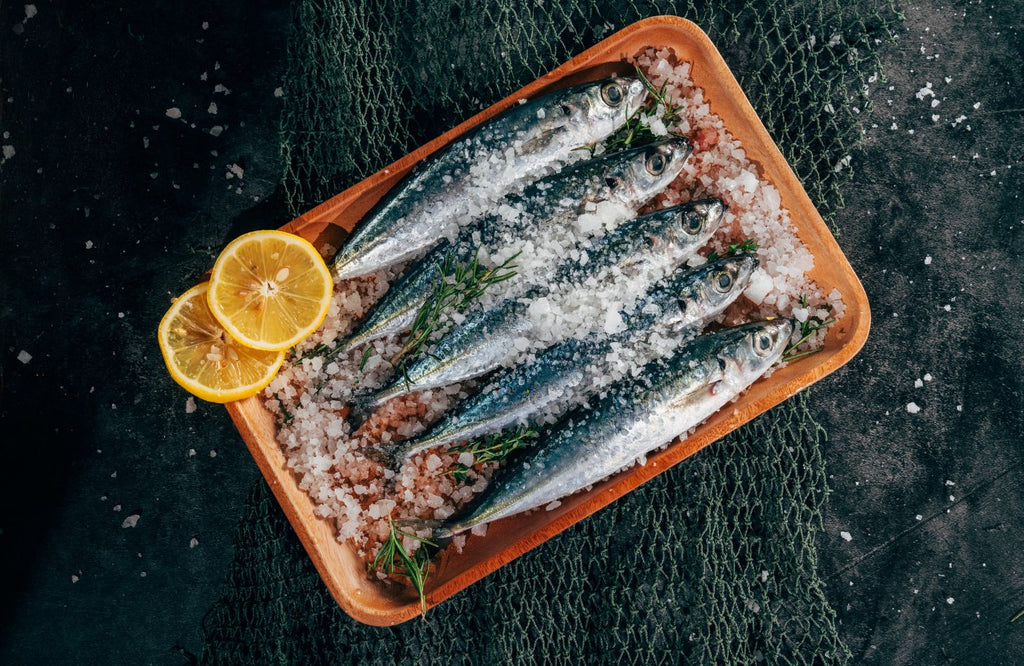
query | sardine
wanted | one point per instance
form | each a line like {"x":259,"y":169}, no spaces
{"x":511,"y":149}
{"x":489,"y":338}
{"x":634,"y":418}
{"x":623,"y":177}
{"x":566,"y":372}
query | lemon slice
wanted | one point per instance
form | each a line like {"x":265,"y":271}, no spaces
{"x":270,"y":289}
{"x":203,"y":358}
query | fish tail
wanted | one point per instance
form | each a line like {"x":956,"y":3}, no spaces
{"x":441,"y":532}
{"x":392,"y":390}
{"x":384,"y":454}
{"x":360,"y":407}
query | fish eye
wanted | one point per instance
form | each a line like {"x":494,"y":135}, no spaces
{"x":721,"y":364}
{"x":566,"y":110}
{"x":611,"y":182}
{"x":722,"y":282}
{"x":693,"y":224}
{"x":611,"y":93}
{"x":656,"y":164}
{"x":762,"y":344}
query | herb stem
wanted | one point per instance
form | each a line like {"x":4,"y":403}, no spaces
{"x":456,"y":286}
{"x":394,"y":559}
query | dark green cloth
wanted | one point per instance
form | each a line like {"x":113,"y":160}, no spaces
{"x":714,"y":561}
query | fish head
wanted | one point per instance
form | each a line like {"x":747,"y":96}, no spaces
{"x":756,"y":346}
{"x":588,"y":113}
{"x":635,"y":176}
{"x":682,"y":229}
{"x":708,"y":290}
{"x":595,"y":110}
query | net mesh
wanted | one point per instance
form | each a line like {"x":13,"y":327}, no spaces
{"x":711,"y":562}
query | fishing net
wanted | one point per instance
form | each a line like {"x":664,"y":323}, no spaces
{"x":714,"y":561}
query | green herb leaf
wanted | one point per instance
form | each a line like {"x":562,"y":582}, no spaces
{"x":457,"y":285}
{"x":286,"y":416}
{"x":807,"y":328}
{"x":636,"y":132}
{"x":489,"y":449}
{"x":394,"y":559}
{"x":749,"y":246}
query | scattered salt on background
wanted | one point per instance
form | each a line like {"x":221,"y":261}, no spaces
{"x":173,"y":112}
{"x":928,"y":260}
{"x":131,"y":521}
{"x":193,"y":542}
{"x":190,"y":405}
{"x":8,"y":151}
{"x":913,"y":408}
{"x":846,"y":536}
{"x":950,"y":600}
{"x":24,"y":356}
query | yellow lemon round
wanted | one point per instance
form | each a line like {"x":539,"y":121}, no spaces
{"x":270,"y":289}
{"x":204,"y":359}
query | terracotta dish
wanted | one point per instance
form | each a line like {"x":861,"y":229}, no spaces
{"x":345,"y":575}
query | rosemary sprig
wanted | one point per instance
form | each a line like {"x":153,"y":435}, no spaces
{"x":286,"y":416}
{"x":1018,"y":616}
{"x":635,"y":132}
{"x":394,"y":559}
{"x":748,"y":246}
{"x":490,"y":448}
{"x":807,"y":328}
{"x":456,"y":286}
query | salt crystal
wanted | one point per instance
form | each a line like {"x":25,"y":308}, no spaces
{"x":950,"y":600}
{"x":220,"y":87}
{"x":216,"y":130}
{"x":918,"y":517}
{"x":131,"y":521}
{"x":24,"y":356}
{"x":74,"y":578}
{"x":173,"y":112}
{"x":193,"y":542}
{"x":918,"y":383}
{"x":466,"y":459}
{"x":928,"y":260}
{"x":212,"y":109}
{"x":913,"y":408}
{"x":279,"y":92}
{"x":8,"y":151}
{"x":30,"y":11}
{"x":927,"y":376}
{"x":190,"y":405}
{"x":846,"y":536}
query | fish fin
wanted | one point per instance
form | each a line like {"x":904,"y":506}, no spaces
{"x":441,"y":532}
{"x":383,"y":454}
{"x":360,"y":408}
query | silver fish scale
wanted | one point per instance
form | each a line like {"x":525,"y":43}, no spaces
{"x":567,"y":370}
{"x":550,"y":201}
{"x":518,"y":145}
{"x":486,"y":339}
{"x":635,"y":416}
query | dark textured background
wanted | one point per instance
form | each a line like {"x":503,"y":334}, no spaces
{"x":109,"y":207}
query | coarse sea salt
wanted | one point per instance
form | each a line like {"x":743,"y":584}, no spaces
{"x":324,"y":451}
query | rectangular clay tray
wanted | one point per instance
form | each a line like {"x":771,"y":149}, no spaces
{"x":342,"y":571}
